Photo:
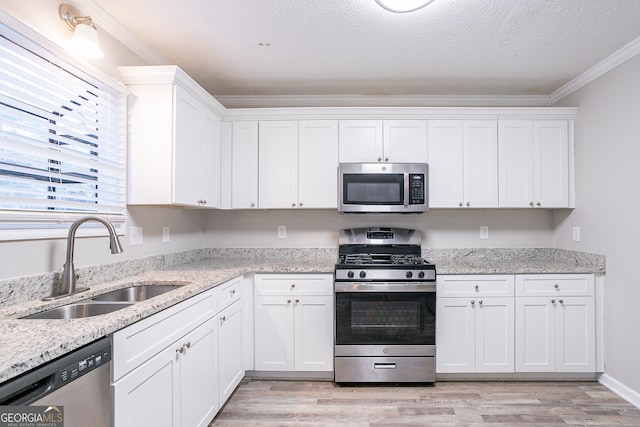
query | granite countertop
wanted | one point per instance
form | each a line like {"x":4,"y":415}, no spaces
{"x":28,"y":343}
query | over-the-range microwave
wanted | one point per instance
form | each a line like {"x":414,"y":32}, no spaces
{"x":383,"y":187}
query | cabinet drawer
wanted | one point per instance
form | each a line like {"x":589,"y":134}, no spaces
{"x":553,"y":285}
{"x":475,"y":285}
{"x":229,"y":292}
{"x":137,"y":343}
{"x":290,"y":284}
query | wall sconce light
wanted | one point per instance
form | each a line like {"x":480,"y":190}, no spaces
{"x":85,"y":34}
{"x":403,"y":6}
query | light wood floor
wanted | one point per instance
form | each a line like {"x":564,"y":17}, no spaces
{"x":317,"y":403}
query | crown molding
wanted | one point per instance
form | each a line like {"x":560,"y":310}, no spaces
{"x":603,"y":67}
{"x":104,"y":21}
{"x":287,"y":101}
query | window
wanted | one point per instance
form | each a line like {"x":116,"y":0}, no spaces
{"x":62,"y":143}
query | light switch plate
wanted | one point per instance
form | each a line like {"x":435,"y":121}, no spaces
{"x":282,"y":232}
{"x":576,"y":234}
{"x":484,"y":232}
{"x":166,"y":234}
{"x":135,"y":236}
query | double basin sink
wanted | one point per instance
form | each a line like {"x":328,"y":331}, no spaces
{"x":106,"y":303}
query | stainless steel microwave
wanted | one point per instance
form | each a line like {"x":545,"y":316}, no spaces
{"x":383,"y":187}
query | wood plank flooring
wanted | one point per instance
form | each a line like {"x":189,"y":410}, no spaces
{"x":318,"y":403}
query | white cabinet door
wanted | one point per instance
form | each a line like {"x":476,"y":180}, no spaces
{"x":313,"y":333}
{"x":455,"y":335}
{"x":186,"y":150}
{"x":515,"y":148}
{"x":274,"y":333}
{"x":208,"y":170}
{"x":318,"y":163}
{"x":480,"y":151}
{"x":551,"y":163}
{"x":534,"y":163}
{"x":575,"y":334}
{"x":446,"y":163}
{"x":197,"y":354}
{"x":278,"y":164}
{"x":360,"y":141}
{"x":404,"y":141}
{"x":535,"y":334}
{"x":495,"y":344}
{"x":230,"y":350}
{"x":244,"y":165}
{"x":147,"y":395}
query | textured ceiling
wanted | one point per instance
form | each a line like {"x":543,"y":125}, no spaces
{"x":354,"y":47}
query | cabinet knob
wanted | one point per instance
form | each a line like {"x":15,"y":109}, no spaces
{"x":180,"y":350}
{"x":531,"y":204}
{"x":300,"y":204}
{"x":223,"y":319}
{"x":288,"y":301}
{"x":556,"y":286}
{"x":480,"y":302}
{"x":460,"y":204}
{"x":293,"y":285}
{"x":561,"y":301}
{"x":204,"y":202}
{"x":297,"y":301}
{"x":232,"y":292}
{"x":293,"y":205}
{"x":188,"y":344}
{"x":379,"y":159}
{"x":386,"y":159}
{"x":252,"y":205}
{"x":553,"y":301}
{"x":468,"y":204}
{"x":473,"y":302}
{"x":477,"y":287}
{"x":538,"y":204}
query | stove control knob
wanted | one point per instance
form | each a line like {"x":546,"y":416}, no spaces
{"x":421,"y":274}
{"x":350,"y":274}
{"x":363,"y":274}
{"x":409,"y":274}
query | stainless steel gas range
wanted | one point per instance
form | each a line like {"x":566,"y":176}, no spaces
{"x":385,"y":319}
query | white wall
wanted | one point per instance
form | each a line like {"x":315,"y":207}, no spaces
{"x":608,"y":206}
{"x":442,"y":228}
{"x":24,"y":258}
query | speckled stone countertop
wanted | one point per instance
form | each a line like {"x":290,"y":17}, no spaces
{"x":28,"y":343}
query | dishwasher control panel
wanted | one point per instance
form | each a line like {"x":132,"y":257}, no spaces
{"x":84,"y":365}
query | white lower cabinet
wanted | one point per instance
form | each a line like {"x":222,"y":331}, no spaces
{"x":177,"y":387}
{"x":555,"y":323}
{"x":178,"y":367}
{"x":474,"y":328}
{"x":294,"y":322}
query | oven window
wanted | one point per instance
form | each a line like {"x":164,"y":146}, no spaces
{"x":373,"y":189}
{"x":372,"y":318}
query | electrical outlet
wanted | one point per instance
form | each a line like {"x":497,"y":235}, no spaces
{"x":576,"y":234}
{"x":282,"y":232}
{"x":165,"y":235}
{"x":135,"y":236}
{"x":484,"y":232}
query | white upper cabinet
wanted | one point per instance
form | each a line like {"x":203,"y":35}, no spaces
{"x":534,"y":163}
{"x":174,"y":139}
{"x":318,"y":164}
{"x":278,"y":164}
{"x":244,"y":165}
{"x":463,"y":168}
{"x":400,"y":141}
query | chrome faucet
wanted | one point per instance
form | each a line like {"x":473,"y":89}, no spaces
{"x":68,"y":285}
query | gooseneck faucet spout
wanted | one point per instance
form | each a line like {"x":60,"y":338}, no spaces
{"x":68,"y":285}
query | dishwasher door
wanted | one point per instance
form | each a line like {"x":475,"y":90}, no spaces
{"x":79,"y":382}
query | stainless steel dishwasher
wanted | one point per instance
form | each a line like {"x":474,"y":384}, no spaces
{"x":78,"y":381}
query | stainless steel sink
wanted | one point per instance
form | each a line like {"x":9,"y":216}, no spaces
{"x":136,"y":293}
{"x":79,"y":310}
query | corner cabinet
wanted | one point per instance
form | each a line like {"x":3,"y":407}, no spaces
{"x":293,"y":322}
{"x":535,"y":163}
{"x":174,"y":139}
{"x":555,"y":323}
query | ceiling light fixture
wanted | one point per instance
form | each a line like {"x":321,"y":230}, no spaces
{"x":403,"y":6}
{"x":85,"y":34}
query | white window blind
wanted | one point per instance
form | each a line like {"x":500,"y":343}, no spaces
{"x":62,"y":141}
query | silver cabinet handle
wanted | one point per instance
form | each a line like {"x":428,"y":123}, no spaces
{"x":293,"y":285}
{"x":379,"y":159}
{"x":232,"y":292}
{"x":531,"y":204}
{"x":288,"y":301}
{"x":553,"y":301}
{"x":180,"y":350}
{"x":473,"y":302}
{"x":297,"y":301}
{"x":480,"y":302}
{"x":460,"y":204}
{"x":556,"y":286}
{"x":538,"y":204}
{"x":468,"y":204}
{"x":293,"y":205}
{"x":477,"y":287}
{"x":386,"y":159}
{"x":223,"y":319}
{"x":188,"y":344}
{"x":300,"y":204}
{"x":561,"y":301}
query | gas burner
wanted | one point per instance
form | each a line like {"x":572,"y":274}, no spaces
{"x":407,"y":259}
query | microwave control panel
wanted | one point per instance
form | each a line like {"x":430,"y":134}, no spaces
{"x":416,"y":189}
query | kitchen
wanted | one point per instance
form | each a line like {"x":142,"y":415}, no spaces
{"x":605,"y":205}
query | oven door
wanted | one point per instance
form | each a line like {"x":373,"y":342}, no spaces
{"x":385,"y":323}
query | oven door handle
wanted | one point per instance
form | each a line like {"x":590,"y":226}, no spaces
{"x":379,"y":365}
{"x":384,"y":287}
{"x":406,"y":190}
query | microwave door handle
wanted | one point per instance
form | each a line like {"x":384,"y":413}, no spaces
{"x":406,"y":190}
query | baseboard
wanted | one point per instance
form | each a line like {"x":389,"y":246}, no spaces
{"x":620,"y":389}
